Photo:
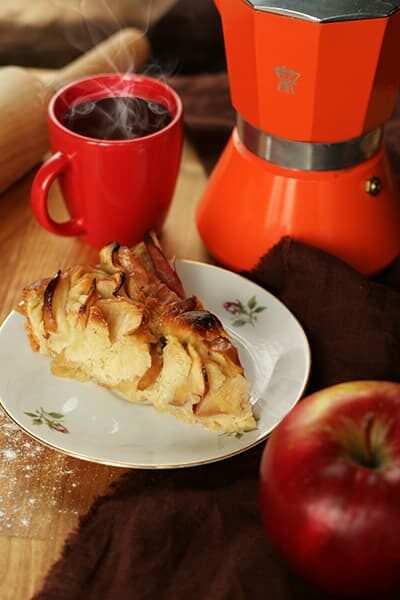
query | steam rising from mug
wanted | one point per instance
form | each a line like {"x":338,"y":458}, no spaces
{"x":126,"y":117}
{"x":117,"y":118}
{"x":97,"y":20}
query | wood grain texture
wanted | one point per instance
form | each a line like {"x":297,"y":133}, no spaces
{"x":42,"y":492}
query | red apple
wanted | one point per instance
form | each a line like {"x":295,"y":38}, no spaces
{"x":330,"y":489}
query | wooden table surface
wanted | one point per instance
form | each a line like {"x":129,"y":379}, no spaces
{"x":43,"y":492}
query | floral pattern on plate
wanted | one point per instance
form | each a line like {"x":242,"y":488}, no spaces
{"x":51,"y":419}
{"x":244,"y":313}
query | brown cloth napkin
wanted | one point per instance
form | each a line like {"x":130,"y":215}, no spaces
{"x":196,"y":534}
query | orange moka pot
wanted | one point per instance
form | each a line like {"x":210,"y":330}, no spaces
{"x":313,"y":83}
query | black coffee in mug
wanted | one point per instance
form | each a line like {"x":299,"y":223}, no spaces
{"x":119,"y":118}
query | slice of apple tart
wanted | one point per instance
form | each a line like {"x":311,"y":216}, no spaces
{"x":127,"y":325}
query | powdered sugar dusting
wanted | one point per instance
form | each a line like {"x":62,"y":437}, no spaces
{"x":9,"y":454}
{"x":40,"y":487}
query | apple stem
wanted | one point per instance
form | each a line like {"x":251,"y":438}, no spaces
{"x":369,"y":423}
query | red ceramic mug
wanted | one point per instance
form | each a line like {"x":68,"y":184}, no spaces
{"x":113,"y":189}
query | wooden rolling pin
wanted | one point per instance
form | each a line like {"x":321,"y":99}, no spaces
{"x":24,"y":97}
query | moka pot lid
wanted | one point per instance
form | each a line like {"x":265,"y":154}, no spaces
{"x":327,"y":11}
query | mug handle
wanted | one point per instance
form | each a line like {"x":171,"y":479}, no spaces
{"x":45,"y":176}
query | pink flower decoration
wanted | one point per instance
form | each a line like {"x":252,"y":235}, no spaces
{"x":59,"y":427}
{"x":232,"y":307}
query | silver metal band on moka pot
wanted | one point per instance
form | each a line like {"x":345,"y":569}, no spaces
{"x":309,"y":156}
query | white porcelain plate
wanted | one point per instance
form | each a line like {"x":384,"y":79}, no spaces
{"x":89,"y":422}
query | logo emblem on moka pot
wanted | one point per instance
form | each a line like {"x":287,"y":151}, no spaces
{"x":313,"y":83}
{"x":287,"y":79}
